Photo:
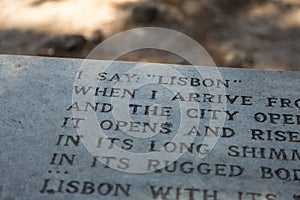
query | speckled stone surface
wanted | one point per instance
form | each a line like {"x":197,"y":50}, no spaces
{"x":234,"y":136}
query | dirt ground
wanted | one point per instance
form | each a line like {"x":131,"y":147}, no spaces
{"x":261,"y":34}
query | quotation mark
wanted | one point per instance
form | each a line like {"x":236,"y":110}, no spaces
{"x":296,"y":197}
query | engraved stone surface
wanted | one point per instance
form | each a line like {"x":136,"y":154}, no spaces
{"x":87,"y":129}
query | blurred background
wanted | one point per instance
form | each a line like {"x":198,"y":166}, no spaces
{"x":260,"y":34}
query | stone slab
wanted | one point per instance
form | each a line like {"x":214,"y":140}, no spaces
{"x":86,"y":129}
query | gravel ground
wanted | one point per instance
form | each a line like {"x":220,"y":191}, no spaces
{"x":261,"y":34}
